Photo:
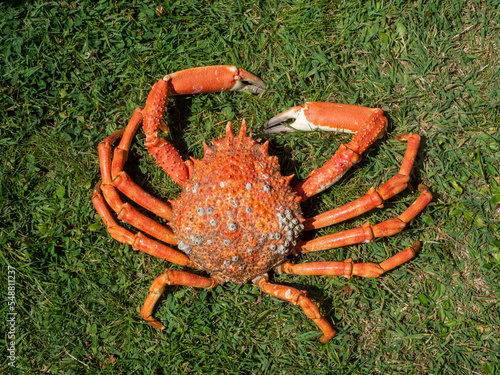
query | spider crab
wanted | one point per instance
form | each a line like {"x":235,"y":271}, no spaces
{"x":237,"y":217}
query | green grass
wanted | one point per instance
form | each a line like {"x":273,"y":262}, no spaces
{"x":72,"y":72}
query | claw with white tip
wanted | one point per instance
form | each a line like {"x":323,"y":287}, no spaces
{"x":345,"y":118}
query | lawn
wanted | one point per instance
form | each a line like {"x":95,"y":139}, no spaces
{"x":73,"y":72}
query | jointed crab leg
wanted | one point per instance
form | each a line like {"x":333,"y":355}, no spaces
{"x":171,"y":278}
{"x":138,"y":241}
{"x":124,"y":210}
{"x":298,"y":297}
{"x":112,"y":171}
{"x":348,"y":268}
{"x":368,"y":125}
{"x":189,"y":81}
{"x":374,"y":197}
{"x":368,"y":232}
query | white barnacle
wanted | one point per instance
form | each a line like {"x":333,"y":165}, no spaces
{"x":232,"y":226}
{"x":210,"y":211}
{"x":222,"y":184}
{"x":186,"y":248}
{"x":200,"y":211}
{"x":227,"y":242}
{"x":235,"y":258}
{"x":248,"y":186}
{"x":249,"y":250}
{"x":248,"y":210}
{"x":266,"y":188}
{"x":234,"y":203}
{"x":196,"y":187}
{"x":197,"y":239}
{"x":272,"y":246}
{"x":213,"y":222}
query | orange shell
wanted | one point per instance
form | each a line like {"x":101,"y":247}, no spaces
{"x":237,"y":216}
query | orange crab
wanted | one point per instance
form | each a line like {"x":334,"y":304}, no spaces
{"x":237,"y":217}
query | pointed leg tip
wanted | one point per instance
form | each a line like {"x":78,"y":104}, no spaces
{"x":422,"y":188}
{"x":325,"y":338}
{"x":417,"y":246}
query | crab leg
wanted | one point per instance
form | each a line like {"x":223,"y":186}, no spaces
{"x":298,"y":297}
{"x":374,"y":197}
{"x":189,"y":81}
{"x":171,"y":278}
{"x":368,"y":232}
{"x":368,"y":125}
{"x":124,"y":210}
{"x":348,"y":268}
{"x":112,"y":171}
{"x":138,"y":241}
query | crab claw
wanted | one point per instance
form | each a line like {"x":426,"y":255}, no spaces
{"x":213,"y":78}
{"x":296,"y":113}
{"x":248,"y":81}
{"x":346,"y":118}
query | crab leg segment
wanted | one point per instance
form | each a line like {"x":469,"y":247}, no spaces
{"x":374,"y":197}
{"x":171,"y":278}
{"x":189,"y":81}
{"x":112,"y":171}
{"x":298,"y":297}
{"x":368,"y":125}
{"x":368,"y":232}
{"x":138,"y":241}
{"x":124,"y":210}
{"x":348,"y":268}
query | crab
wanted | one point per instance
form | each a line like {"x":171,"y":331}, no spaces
{"x":237,"y":217}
